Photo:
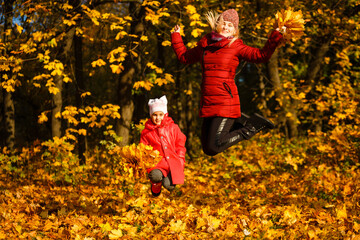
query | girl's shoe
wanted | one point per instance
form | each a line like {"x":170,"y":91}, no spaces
{"x":156,"y":188}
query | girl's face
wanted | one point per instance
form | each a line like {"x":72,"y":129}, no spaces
{"x":227,"y":29}
{"x":157,"y":117}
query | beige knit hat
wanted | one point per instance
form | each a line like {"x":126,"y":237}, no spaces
{"x":232,"y":16}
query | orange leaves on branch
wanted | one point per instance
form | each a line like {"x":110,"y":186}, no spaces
{"x":98,"y":63}
{"x":154,"y":78}
{"x":154,"y":16}
{"x":293,"y":21}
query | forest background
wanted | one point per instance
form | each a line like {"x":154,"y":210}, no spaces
{"x":75,"y":80}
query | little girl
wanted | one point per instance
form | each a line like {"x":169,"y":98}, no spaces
{"x":165,"y":136}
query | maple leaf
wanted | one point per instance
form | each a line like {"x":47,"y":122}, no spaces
{"x":177,"y":226}
{"x":115,"y":234}
{"x":341,"y":213}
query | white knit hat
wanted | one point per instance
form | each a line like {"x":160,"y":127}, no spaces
{"x":158,"y":104}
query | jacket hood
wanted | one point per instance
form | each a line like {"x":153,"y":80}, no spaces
{"x":150,"y":126}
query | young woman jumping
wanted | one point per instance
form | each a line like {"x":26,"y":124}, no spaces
{"x":219,"y":53}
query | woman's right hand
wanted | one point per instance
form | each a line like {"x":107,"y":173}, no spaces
{"x":176,"y":29}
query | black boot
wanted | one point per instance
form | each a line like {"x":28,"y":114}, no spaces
{"x":256,"y":123}
{"x":243,"y":119}
{"x":240,"y":122}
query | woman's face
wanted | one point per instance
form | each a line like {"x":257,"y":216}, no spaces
{"x":227,"y":29}
{"x":157,"y":117}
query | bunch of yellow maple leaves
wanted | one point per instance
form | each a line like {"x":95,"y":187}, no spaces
{"x":139,"y":157}
{"x":293,"y":21}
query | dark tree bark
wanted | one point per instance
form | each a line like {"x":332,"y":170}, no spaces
{"x":289,"y":123}
{"x":313,"y":73}
{"x":131,"y":70}
{"x":9,"y":109}
{"x":80,"y":87}
{"x":57,"y":102}
{"x":79,"y":82}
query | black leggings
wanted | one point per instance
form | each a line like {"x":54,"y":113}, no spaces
{"x":219,"y":133}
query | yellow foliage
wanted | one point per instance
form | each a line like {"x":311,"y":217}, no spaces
{"x":85,"y":94}
{"x":293,"y":21}
{"x":196,"y":32}
{"x":143,"y":84}
{"x":43,"y":118}
{"x":341,"y":212}
{"x":144,"y":38}
{"x":120,"y":35}
{"x":166,"y":43}
{"x":151,"y":3}
{"x":115,"y":234}
{"x":188,"y":92}
{"x":117,"y":55}
{"x":98,"y":63}
{"x":10,"y":84}
{"x":154,"y":17}
{"x":190,"y":9}
{"x":19,"y":28}
{"x":153,"y":66}
{"x":117,"y":68}
{"x":138,"y":157}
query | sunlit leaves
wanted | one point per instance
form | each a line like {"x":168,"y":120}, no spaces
{"x":315,"y":201}
{"x":117,"y":55}
{"x":157,"y":77}
{"x":166,"y":43}
{"x":147,"y":85}
{"x":98,"y":63}
{"x":293,"y":21}
{"x":155,"y":16}
{"x":139,"y":157}
{"x":43,"y":118}
{"x":196,"y":22}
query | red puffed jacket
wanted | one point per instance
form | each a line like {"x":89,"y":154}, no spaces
{"x":219,"y":60}
{"x":168,"y":139}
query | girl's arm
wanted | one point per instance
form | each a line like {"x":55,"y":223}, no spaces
{"x":143,"y":139}
{"x":180,"y":143}
{"x":257,"y":55}
{"x":185,"y":56}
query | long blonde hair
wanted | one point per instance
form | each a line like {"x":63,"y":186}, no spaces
{"x":215,"y":21}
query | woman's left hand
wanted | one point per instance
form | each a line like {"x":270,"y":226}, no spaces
{"x":282,"y":30}
{"x":176,"y":29}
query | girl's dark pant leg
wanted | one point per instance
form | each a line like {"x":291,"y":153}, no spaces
{"x":218,"y":134}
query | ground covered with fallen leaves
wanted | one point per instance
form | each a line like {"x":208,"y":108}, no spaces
{"x":264,"y":188}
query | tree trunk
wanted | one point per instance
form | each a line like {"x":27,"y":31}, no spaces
{"x":126,"y":78}
{"x":190,"y":126}
{"x":9,"y":109}
{"x":288,"y":118}
{"x":77,"y":63}
{"x":312,"y":73}
{"x":57,"y":101}
{"x":9,"y":119}
{"x":80,"y":87}
{"x":262,"y":92}
{"x":126,"y":104}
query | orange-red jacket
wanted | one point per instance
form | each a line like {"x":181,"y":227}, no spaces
{"x":168,"y":139}
{"x":219,"y":60}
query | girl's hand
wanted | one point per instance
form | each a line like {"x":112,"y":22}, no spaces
{"x":176,"y":29}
